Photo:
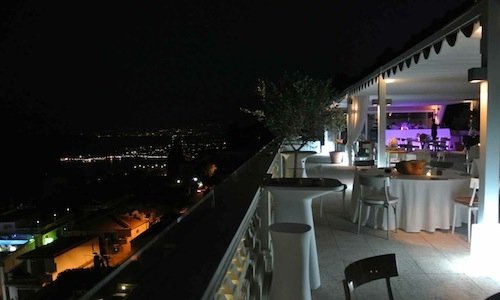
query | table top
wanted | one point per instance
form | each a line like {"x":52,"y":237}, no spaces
{"x":304,"y":182}
{"x":300,"y":152}
{"x":447,"y":175}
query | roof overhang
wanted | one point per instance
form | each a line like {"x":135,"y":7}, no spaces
{"x":433,"y":72}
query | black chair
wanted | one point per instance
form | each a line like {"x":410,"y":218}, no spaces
{"x":494,"y":297}
{"x":370,"y":269}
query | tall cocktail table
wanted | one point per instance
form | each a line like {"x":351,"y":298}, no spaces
{"x":292,"y":199}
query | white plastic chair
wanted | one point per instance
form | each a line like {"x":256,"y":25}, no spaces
{"x":469,"y":202}
{"x":375,"y":193}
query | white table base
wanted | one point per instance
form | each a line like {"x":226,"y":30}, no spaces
{"x":291,"y":247}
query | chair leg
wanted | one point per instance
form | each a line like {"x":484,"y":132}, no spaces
{"x":388,"y":223}
{"x":454,"y":218}
{"x":368,"y":209}
{"x":360,"y":208}
{"x":395,"y":219}
{"x":389,"y":289}
{"x":469,"y":216}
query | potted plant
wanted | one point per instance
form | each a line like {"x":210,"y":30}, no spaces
{"x":335,"y":125}
{"x":295,"y":108}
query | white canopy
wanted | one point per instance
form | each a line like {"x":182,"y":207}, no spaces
{"x":435,"y":72}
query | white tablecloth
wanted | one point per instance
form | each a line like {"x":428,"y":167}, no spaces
{"x":425,"y":202}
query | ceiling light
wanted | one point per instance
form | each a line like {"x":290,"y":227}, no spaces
{"x":476,"y":75}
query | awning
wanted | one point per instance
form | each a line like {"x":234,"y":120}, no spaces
{"x":433,"y":71}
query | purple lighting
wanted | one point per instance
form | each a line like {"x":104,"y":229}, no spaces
{"x":413,"y":134}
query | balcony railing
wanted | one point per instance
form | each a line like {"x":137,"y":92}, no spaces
{"x":219,"y":249}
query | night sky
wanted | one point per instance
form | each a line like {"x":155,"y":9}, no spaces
{"x":70,"y":67}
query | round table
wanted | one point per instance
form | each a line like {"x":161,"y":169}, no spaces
{"x":425,"y":202}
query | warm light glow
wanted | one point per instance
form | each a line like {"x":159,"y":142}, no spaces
{"x":428,"y":173}
{"x":47,"y":240}
{"x":390,"y":80}
{"x":478,"y":32}
{"x":484,"y":250}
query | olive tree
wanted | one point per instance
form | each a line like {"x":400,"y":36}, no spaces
{"x":295,"y":108}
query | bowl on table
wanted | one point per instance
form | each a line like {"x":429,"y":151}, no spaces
{"x":411,"y":167}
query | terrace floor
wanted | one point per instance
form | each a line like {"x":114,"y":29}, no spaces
{"x":431,"y":265}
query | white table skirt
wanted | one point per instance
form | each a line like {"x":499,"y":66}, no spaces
{"x":294,"y":205}
{"x":289,"y":162}
{"x":424,"y":204}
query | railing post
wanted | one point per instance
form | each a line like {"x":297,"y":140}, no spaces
{"x":264,"y":212}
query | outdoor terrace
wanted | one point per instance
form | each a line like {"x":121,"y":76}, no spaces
{"x":431,"y":265}
{"x":223,"y":251}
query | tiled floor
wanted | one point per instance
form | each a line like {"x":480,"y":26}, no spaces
{"x":431,"y":265}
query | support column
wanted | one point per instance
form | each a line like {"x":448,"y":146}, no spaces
{"x":382,"y":122}
{"x":350,"y":115}
{"x":485,"y":244}
{"x":264,"y":212}
{"x":490,"y":123}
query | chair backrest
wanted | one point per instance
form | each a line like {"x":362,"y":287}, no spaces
{"x":474,"y":186}
{"x":375,"y":184}
{"x":369,"y":269}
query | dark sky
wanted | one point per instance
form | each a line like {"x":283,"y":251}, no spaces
{"x":81,"y":66}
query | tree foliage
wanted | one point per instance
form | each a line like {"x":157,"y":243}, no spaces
{"x":296,"y":107}
{"x":338,"y":121}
